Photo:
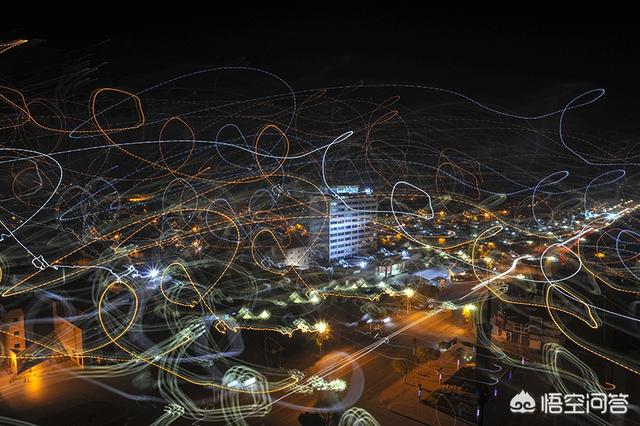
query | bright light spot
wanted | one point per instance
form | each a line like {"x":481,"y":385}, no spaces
{"x":322,"y":327}
{"x":467,"y":309}
{"x":363,"y":264}
{"x":34,"y":385}
{"x":405,"y":254}
{"x":250,"y":381}
{"x":318,"y":383}
{"x":153,"y":273}
{"x":314,"y":298}
{"x":409,"y":292}
{"x":520,"y":276}
{"x":264,"y":315}
{"x":387,"y":320}
{"x":337,"y":385}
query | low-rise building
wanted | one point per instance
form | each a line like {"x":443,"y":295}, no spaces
{"x":389,"y":267}
{"x":522,"y":331}
{"x":26,"y":346}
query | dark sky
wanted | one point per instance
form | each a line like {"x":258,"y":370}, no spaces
{"x":515,"y":61}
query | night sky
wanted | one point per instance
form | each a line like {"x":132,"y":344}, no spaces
{"x":514,"y":61}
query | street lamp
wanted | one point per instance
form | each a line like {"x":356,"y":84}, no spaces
{"x":322,"y":329}
{"x":468,"y":308}
{"x":409,"y":293}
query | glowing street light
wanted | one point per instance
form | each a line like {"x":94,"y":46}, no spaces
{"x":409,"y":292}
{"x":469,"y":307}
{"x":152,"y":273}
{"x":322,"y":327}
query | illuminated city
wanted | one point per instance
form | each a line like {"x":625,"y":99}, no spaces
{"x":249,"y":238}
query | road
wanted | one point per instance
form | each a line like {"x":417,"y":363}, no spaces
{"x":371,"y":374}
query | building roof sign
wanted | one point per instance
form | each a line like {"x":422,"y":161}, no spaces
{"x":346,"y":189}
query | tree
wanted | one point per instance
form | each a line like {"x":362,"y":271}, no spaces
{"x":322,"y":417}
{"x":424,"y":354}
{"x":310,"y":419}
{"x":434,"y":353}
{"x":402,"y":366}
{"x":459,"y":353}
{"x":320,"y":338}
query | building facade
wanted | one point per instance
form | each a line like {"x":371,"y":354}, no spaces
{"x":13,"y":336}
{"x":523,"y":332}
{"x":348,"y":230}
{"x":390,"y":267}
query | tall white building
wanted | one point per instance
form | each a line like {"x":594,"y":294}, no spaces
{"x":348,"y":229}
